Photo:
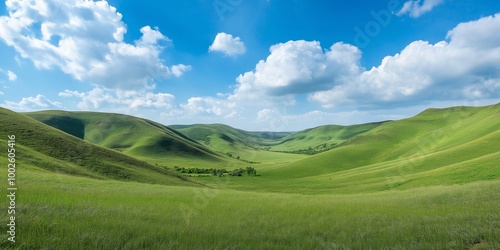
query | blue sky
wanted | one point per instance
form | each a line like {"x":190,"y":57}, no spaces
{"x":276,"y":65}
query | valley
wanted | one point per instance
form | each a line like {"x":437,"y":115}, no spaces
{"x":96,"y":180}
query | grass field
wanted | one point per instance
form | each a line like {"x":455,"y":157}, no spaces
{"x":428,"y":182}
{"x":60,"y":212}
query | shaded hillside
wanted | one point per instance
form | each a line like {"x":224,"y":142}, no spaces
{"x":43,"y":147}
{"x":133,"y":136}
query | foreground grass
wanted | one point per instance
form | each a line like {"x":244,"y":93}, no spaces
{"x":62,"y":212}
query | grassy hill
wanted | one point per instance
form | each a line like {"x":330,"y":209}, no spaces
{"x":428,"y":182}
{"x":321,"y":138}
{"x":140,"y":138}
{"x":270,"y":146}
{"x":44,"y":149}
{"x":438,"y":146}
{"x":244,"y":145}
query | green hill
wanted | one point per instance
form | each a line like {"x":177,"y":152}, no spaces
{"x":453,"y":145}
{"x":438,"y":146}
{"x":206,"y":132}
{"x":236,"y":143}
{"x":428,"y":182}
{"x":223,"y":138}
{"x":42,"y":148}
{"x":140,"y":138}
{"x":321,"y":138}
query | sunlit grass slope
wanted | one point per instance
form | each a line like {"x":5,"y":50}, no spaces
{"x":447,"y":146}
{"x":61,"y":212}
{"x":140,"y":138}
{"x":326,"y":136}
{"x":427,"y":182}
{"x":47,"y":149}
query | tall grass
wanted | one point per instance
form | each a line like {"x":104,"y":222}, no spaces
{"x":61,"y":212}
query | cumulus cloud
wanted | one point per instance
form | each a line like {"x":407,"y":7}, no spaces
{"x":297,"y":67}
{"x":465,"y":65}
{"x":101,"y":98}
{"x":416,"y":8}
{"x":448,"y":70}
{"x":210,"y":106}
{"x":32,"y":103}
{"x":145,"y":101}
{"x":227,"y":44}
{"x":85,"y":39}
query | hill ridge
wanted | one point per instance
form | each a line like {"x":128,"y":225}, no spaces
{"x":50,"y":149}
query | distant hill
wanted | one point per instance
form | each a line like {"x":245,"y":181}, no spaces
{"x":141,"y":138}
{"x":41,"y":147}
{"x":234,"y":142}
{"x":438,"y":146}
{"x":322,"y":138}
{"x":223,"y":138}
{"x":452,"y":145}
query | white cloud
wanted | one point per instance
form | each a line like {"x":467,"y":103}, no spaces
{"x":32,"y":103}
{"x":476,"y":34}
{"x":85,"y":39}
{"x":424,"y":71}
{"x":100,"y":98}
{"x":297,"y":67}
{"x":227,"y":44}
{"x":265,"y":114}
{"x":210,"y":106}
{"x":420,"y":72}
{"x":416,"y":8}
{"x":482,"y":89}
{"x":1,"y":93}
{"x":10,"y":75}
{"x":180,"y":69}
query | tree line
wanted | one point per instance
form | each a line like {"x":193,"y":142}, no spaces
{"x":250,"y":171}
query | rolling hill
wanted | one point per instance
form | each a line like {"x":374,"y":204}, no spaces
{"x":438,"y":146}
{"x":42,"y":148}
{"x":322,"y":137}
{"x":240,"y":144}
{"x":140,"y":138}
{"x":452,"y":145}
{"x":427,"y":182}
{"x":269,"y":146}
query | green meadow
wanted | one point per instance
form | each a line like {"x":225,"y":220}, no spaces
{"x":61,"y":212}
{"x":107,"y":181}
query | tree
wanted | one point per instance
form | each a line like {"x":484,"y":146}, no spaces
{"x":237,"y":172}
{"x":251,"y":171}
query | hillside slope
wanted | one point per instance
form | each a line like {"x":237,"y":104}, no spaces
{"x":271,"y":145}
{"x":43,"y":148}
{"x":140,"y":138}
{"x":236,"y":143}
{"x":322,"y":137}
{"x":444,"y":141}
